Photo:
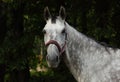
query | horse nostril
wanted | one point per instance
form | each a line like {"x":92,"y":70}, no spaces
{"x":57,"y":58}
{"x":53,"y":59}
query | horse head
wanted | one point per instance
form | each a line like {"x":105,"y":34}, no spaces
{"x":54,"y":36}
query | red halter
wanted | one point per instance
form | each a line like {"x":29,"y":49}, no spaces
{"x":61,"y":50}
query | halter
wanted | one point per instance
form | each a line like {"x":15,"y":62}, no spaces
{"x":61,"y":50}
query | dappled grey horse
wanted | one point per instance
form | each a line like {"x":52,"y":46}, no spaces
{"x":87,"y":60}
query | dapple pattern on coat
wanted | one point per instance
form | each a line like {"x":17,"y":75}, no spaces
{"x":87,"y":60}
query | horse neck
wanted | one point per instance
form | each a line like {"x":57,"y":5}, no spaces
{"x":84,"y":55}
{"x":77,"y":47}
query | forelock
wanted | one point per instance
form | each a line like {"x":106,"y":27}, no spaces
{"x":53,"y":19}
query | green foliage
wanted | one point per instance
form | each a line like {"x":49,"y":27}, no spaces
{"x":52,"y":75}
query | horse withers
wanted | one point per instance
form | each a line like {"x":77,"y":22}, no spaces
{"x":87,"y":60}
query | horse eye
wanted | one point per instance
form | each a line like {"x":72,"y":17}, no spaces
{"x":63,"y":31}
{"x":44,"y":31}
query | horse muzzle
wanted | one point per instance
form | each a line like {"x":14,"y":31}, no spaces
{"x":53,"y":57}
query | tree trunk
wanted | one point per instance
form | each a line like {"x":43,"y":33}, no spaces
{"x":3,"y":31}
{"x":19,"y":74}
{"x":2,"y":72}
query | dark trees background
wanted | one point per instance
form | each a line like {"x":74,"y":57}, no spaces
{"x":21,"y":38}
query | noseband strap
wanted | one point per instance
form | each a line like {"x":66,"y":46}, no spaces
{"x":61,"y":50}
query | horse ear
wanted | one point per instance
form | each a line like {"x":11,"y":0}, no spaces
{"x":47,"y":14}
{"x":62,"y":13}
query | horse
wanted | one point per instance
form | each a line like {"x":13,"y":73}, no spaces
{"x":88,"y":60}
